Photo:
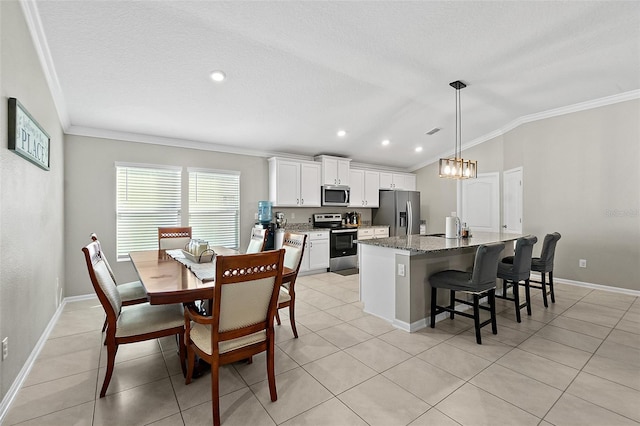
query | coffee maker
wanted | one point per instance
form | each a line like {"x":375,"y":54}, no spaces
{"x":281,"y":222}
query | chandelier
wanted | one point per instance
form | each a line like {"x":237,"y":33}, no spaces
{"x":457,"y":167}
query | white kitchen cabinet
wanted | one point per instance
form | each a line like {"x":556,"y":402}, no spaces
{"x":381,"y":232}
{"x":316,"y":251}
{"x":371,"y":233}
{"x":406,"y":181}
{"x":310,"y":175}
{"x":335,"y":170}
{"x":364,"y":188}
{"x":365,"y":233}
{"x":294,"y":183}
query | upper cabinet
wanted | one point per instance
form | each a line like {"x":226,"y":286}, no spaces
{"x":364,"y":188}
{"x":389,"y":180}
{"x":294,"y":183}
{"x":335,"y":170}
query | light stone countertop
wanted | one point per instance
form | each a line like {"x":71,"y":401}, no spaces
{"x":306,"y":227}
{"x":426,"y":244}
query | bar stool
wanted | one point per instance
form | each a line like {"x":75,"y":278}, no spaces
{"x":519,"y":269}
{"x":482,"y":280}
{"x":543,"y":265}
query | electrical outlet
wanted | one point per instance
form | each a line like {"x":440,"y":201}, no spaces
{"x":256,"y":216}
{"x":401,"y":269}
{"x":293,"y":215}
{"x":582,"y":263}
{"x":5,"y":348}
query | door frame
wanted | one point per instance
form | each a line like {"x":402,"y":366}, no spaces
{"x":520,"y":171}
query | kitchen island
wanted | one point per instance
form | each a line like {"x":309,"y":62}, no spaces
{"x":394,"y":273}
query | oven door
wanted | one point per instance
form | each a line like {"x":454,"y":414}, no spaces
{"x":342,"y":243}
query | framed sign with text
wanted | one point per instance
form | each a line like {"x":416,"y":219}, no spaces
{"x":26,"y":137}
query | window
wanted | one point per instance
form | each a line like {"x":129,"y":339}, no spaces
{"x":147,"y":197}
{"x":214,"y":206}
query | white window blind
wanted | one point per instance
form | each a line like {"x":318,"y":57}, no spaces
{"x":214,"y":207}
{"x":147,"y":198}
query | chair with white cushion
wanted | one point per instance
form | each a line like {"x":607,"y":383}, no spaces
{"x":131,"y":293}
{"x":245,"y":296}
{"x":129,"y":324}
{"x":173,"y":237}
{"x":293,"y":244}
{"x":258,"y":240}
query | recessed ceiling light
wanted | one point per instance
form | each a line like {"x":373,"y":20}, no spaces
{"x":386,"y":142}
{"x":217,"y":76}
{"x":342,"y":133}
{"x":418,"y":149}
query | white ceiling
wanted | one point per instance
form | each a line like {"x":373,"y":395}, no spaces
{"x":299,"y":71}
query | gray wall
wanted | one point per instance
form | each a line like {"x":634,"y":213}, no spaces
{"x":90,"y":198}
{"x":581,"y":179}
{"x":31,"y":203}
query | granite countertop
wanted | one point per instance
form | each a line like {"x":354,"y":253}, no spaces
{"x":306,"y":227}
{"x":426,"y":244}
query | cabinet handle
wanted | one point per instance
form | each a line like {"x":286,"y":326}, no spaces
{"x":302,"y":201}
{"x":339,"y":181}
{"x":366,"y":203}
{"x":297,"y":201}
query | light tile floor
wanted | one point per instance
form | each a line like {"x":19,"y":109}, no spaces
{"x":575,"y":363}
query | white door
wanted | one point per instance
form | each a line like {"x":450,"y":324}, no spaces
{"x":480,"y":203}
{"x":512,"y":200}
{"x":288,"y":183}
{"x":371,"y":189}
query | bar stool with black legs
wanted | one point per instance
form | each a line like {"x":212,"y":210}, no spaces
{"x":478,"y":283}
{"x":518,"y":270}
{"x":543,"y":265}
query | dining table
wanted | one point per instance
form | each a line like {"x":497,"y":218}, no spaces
{"x":167,"y":280}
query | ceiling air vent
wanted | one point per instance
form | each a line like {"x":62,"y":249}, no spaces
{"x":433,"y":131}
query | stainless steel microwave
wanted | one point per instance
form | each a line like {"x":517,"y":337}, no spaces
{"x":335,"y":195}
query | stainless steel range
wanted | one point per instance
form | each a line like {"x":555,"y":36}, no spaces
{"x":343,"y":250}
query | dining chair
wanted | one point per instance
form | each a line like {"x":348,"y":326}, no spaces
{"x":481,"y":281}
{"x":293,"y":244}
{"x":129,"y":324}
{"x":131,"y":293}
{"x":241,"y":321}
{"x":511,"y":273}
{"x":173,"y":237}
{"x":258,"y":240}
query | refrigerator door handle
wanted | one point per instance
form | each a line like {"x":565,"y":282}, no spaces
{"x":409,"y":218}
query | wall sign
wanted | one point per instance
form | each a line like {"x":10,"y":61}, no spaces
{"x":26,"y":137}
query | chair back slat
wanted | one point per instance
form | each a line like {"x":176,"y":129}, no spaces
{"x":258,"y":240}
{"x":173,"y":237}
{"x":102,"y":281}
{"x":293,"y":244}
{"x":245,"y":293}
{"x":485,"y":265}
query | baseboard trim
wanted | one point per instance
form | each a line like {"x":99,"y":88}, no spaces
{"x":593,"y":286}
{"x":26,"y":368}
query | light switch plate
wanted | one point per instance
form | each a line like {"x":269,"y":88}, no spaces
{"x":401,"y":269}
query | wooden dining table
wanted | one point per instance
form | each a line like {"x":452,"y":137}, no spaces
{"x":168,"y":281}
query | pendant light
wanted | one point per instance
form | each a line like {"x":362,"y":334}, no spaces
{"x":457,"y":167}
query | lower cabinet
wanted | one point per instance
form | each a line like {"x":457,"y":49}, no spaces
{"x":316,"y":251}
{"x":371,"y":233}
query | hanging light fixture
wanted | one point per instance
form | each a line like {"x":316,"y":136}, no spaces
{"x":457,"y":167}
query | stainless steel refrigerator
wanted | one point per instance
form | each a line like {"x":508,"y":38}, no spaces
{"x":400,"y":210}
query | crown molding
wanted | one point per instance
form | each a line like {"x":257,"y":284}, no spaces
{"x":582,"y":106}
{"x":32,"y":18}
{"x":180,"y":143}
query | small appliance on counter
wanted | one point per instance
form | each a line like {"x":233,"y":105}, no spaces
{"x":281,"y":222}
{"x":352,"y":219}
{"x":452,"y":226}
